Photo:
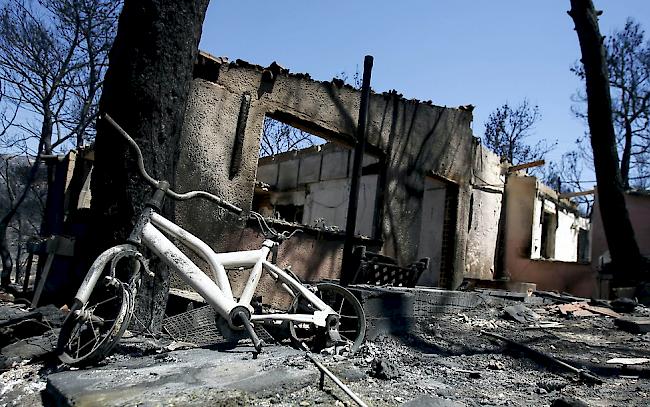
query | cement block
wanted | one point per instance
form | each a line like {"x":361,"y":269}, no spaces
{"x":288,"y":176}
{"x":309,"y":169}
{"x":268,"y":173}
{"x":335,"y":165}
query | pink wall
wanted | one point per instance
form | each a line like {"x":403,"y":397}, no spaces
{"x":638,"y":206}
{"x":575,"y":278}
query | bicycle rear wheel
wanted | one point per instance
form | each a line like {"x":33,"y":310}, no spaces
{"x":352,"y":318}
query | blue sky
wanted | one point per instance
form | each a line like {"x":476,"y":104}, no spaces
{"x":453,"y":53}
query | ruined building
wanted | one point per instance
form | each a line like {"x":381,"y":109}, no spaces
{"x":430,"y":189}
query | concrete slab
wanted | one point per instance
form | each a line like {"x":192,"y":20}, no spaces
{"x":187,"y":377}
{"x":394,"y":310}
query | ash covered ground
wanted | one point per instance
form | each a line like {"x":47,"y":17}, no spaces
{"x":444,"y":360}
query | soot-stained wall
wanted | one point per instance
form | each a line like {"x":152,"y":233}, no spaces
{"x":225,"y":115}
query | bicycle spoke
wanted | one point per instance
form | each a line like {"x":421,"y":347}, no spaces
{"x":83,"y":347}
{"x":92,"y":328}
{"x":103,"y":302}
{"x":72,"y":338}
{"x":78,"y":344}
{"x":341,"y":307}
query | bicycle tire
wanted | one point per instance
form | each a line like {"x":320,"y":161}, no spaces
{"x":352,"y":318}
{"x":89,"y":335}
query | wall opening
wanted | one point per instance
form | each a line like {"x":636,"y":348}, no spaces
{"x":279,"y":137}
{"x":304,"y":177}
{"x":583,"y":246}
{"x":438,"y":231}
{"x":549,"y":225}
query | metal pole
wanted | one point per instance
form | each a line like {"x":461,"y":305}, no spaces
{"x":336,"y":380}
{"x":351,"y":222}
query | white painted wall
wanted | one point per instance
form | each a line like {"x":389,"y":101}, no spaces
{"x":328,"y":200}
{"x":488,"y":184}
{"x":566,"y":234}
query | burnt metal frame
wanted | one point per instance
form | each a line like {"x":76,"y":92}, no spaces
{"x":148,"y":232}
{"x":218,"y":293}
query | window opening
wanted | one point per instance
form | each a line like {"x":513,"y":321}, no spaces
{"x":583,"y":245}
{"x":549,"y":225}
{"x":279,"y":137}
{"x":304,"y":177}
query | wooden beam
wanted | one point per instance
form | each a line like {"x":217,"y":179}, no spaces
{"x":526,"y":165}
{"x":574,"y":194}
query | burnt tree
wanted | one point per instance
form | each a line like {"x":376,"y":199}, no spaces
{"x":145,"y":90}
{"x":623,"y":247}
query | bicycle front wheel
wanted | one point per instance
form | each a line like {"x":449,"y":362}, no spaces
{"x":89,"y":334}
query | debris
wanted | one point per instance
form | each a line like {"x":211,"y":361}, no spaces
{"x":384,"y":369}
{"x":326,"y":372}
{"x":584,"y":374}
{"x":10,"y":315}
{"x":602,"y":311}
{"x":566,"y":401}
{"x":624,"y":305}
{"x":552,"y":385}
{"x":558,"y":297}
{"x":635,"y":325}
{"x":496,"y":365}
{"x":583,"y":309}
{"x":431,"y":401}
{"x":628,"y":361}
{"x":473,"y":374}
{"x":35,"y":347}
{"x":546,"y":325}
{"x":177,"y":345}
{"x":521,"y":313}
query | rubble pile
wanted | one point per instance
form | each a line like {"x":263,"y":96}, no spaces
{"x":485,"y":355}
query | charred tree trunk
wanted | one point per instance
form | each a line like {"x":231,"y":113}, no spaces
{"x":627,"y":155}
{"x":145,"y":90}
{"x":623,"y":248}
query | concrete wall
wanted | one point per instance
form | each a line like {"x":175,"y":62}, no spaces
{"x":522,"y":220}
{"x":638,"y":206}
{"x":318,"y":178}
{"x":487,"y":194}
{"x":413,"y":138}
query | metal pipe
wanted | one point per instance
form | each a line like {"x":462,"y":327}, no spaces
{"x":187,"y":270}
{"x":197,"y":246}
{"x":351,"y":222}
{"x":583,"y":373}
{"x":336,"y":380}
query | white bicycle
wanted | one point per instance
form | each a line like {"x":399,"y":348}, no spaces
{"x":326,"y":314}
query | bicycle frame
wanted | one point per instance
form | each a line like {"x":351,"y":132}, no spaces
{"x":96,"y":322}
{"x":217,"y":292}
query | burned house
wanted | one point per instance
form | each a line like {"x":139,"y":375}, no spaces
{"x":428,"y":187}
{"x":414,"y":145}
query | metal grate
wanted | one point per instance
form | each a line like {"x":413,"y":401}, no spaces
{"x":198,"y":327}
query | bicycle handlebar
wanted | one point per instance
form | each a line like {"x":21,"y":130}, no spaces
{"x":172,"y":194}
